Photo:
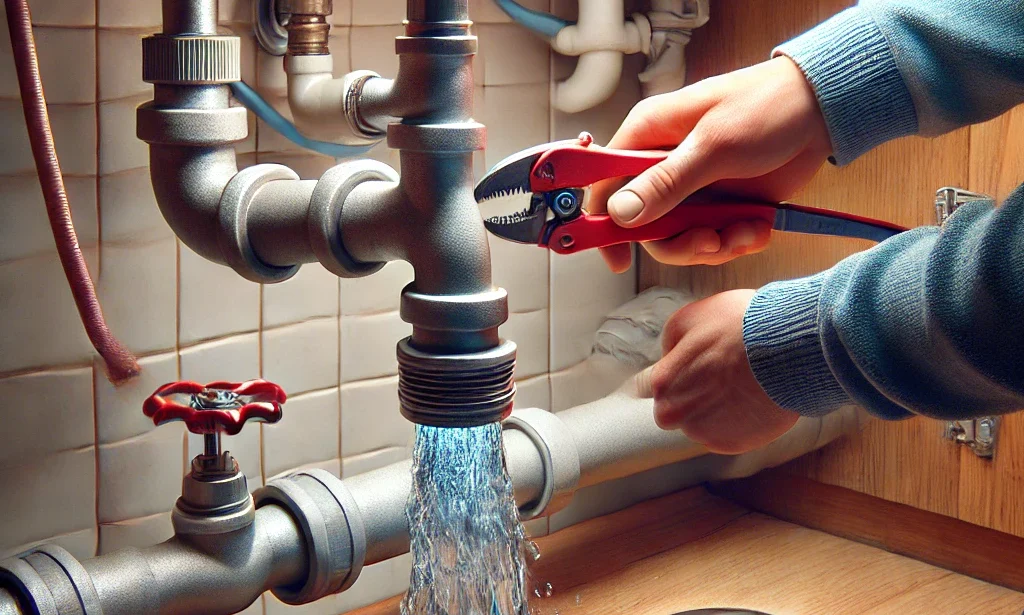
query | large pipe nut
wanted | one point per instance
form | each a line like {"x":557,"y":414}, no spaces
{"x":326,"y":205}
{"x":197,"y":127}
{"x":558,"y":454}
{"x":234,"y":229}
{"x":50,"y":581}
{"x":332,"y":525}
{"x":191,"y":60}
{"x":469,"y":313}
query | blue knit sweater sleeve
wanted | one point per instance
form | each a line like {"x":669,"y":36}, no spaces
{"x":928,"y":322}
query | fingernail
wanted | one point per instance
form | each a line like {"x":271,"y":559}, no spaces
{"x":707,"y":248}
{"x":625,"y":205}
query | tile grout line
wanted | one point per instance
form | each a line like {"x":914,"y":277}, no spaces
{"x":259,"y":326}
{"x":340,"y":342}
{"x":99,"y":268}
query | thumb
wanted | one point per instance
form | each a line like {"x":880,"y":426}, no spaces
{"x":657,"y":190}
{"x":642,"y":381}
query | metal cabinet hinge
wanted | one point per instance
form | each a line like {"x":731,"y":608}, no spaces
{"x":977,"y":434}
{"x":948,"y":199}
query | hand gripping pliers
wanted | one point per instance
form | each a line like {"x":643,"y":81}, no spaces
{"x":556,"y":173}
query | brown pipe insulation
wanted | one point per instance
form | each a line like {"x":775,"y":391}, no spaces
{"x":121,"y":364}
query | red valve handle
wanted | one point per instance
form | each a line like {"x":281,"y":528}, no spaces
{"x":253,"y":400}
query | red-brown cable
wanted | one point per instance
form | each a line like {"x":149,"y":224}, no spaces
{"x":120,"y":362}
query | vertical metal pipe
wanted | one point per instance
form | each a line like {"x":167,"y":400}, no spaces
{"x":426,"y":11}
{"x":190,"y":16}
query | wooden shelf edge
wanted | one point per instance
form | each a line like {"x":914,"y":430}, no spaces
{"x":949,"y":543}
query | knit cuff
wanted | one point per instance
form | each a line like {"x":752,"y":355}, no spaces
{"x":848,"y":63}
{"x":780,"y":332}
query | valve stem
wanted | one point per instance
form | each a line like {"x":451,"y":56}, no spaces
{"x":211,"y":445}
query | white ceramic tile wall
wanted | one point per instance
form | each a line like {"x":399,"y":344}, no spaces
{"x":79,"y":464}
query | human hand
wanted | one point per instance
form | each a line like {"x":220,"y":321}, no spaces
{"x":704,"y":385}
{"x":756,"y":132}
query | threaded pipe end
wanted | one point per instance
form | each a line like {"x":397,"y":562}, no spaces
{"x":456,"y":390}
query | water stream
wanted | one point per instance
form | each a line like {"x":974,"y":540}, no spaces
{"x":469,"y":549}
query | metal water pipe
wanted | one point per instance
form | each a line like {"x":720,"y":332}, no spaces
{"x":265,"y":222}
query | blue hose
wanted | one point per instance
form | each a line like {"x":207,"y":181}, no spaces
{"x":262,"y":109}
{"x":541,"y":23}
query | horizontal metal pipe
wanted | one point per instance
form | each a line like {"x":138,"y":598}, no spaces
{"x":382,"y":496}
{"x":614,"y":437}
{"x":617,"y":436}
{"x":204,"y":574}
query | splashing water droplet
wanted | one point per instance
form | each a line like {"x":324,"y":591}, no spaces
{"x":533,"y":549}
{"x":469,"y":549}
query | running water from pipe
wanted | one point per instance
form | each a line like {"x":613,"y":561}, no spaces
{"x":470,"y":551}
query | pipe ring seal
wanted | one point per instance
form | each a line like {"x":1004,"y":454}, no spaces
{"x":306,"y":513}
{"x":336,"y":543}
{"x":462,"y":137}
{"x":438,"y":46}
{"x":27,"y":583}
{"x":270,"y":34}
{"x":353,"y":521}
{"x":88,"y":599}
{"x":475,"y":312}
{"x":353,"y":84}
{"x":234,"y":233}
{"x":456,"y":390}
{"x":558,"y":455}
{"x":324,"y":220}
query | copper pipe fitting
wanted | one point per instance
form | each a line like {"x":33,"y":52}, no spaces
{"x":307,"y":35}
{"x":307,"y":25}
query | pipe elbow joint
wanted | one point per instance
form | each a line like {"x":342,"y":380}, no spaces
{"x":326,"y":108}
{"x":594,"y":81}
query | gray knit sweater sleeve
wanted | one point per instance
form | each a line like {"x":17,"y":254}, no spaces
{"x":931,"y":321}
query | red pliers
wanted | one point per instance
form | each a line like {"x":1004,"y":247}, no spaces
{"x":556,"y":173}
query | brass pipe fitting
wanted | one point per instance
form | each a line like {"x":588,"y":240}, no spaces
{"x":307,"y":25}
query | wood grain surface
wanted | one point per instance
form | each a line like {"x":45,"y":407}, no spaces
{"x":946,"y":542}
{"x":693,"y":550}
{"x":906,"y":462}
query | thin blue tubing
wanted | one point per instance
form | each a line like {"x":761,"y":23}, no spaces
{"x":539,"y":22}
{"x":262,"y":109}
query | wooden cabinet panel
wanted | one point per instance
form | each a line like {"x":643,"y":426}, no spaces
{"x":906,"y":462}
{"x":992,"y":492}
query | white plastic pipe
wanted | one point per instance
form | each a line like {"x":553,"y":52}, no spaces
{"x":600,"y":37}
